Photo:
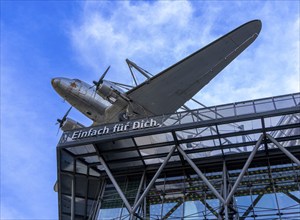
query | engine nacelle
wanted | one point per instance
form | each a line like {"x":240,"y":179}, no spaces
{"x":109,"y":91}
{"x":70,"y":124}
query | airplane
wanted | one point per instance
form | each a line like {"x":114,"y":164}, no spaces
{"x":164,"y":93}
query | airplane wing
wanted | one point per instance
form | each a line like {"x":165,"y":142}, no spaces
{"x":170,"y":89}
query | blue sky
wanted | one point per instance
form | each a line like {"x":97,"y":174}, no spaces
{"x":79,"y":39}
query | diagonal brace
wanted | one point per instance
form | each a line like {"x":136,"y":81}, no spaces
{"x":285,"y":151}
{"x":198,"y":171}
{"x":114,"y":182}
{"x":138,"y":194}
{"x":239,"y":179}
{"x":140,"y":187}
{"x":162,"y":166}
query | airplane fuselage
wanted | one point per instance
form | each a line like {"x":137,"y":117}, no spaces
{"x":82,"y":96}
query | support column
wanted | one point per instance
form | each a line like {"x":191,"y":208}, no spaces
{"x":73,"y":187}
{"x":73,"y":198}
{"x":225,"y":188}
{"x":145,"y":200}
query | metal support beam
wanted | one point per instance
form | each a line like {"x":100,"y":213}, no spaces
{"x":205,"y":180}
{"x":136,"y":216}
{"x":251,"y":207}
{"x":95,"y":211}
{"x":140,"y":69}
{"x":139,"y":192}
{"x":140,"y":187}
{"x":145,"y":208}
{"x":249,"y":160}
{"x":114,"y":182}
{"x":73,"y":199}
{"x":132,"y":74}
{"x":73,"y":187}
{"x":292,"y":197}
{"x":126,"y":187}
{"x":172,"y":210}
{"x":86,"y":195}
{"x":285,"y":151}
{"x":162,"y":166}
{"x":211,"y":209}
{"x":225,"y":190}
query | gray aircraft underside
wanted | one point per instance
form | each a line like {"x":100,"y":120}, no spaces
{"x":163,"y":93}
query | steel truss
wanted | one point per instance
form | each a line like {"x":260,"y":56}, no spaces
{"x":224,"y":199}
{"x":89,"y":170}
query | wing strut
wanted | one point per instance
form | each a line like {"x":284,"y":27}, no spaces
{"x":140,"y":69}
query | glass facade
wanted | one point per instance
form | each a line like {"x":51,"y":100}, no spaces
{"x":266,"y":192}
{"x":192,"y":166}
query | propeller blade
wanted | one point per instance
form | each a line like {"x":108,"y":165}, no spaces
{"x":97,"y":84}
{"x":92,"y":86}
{"x":61,"y":121}
{"x":65,"y":116}
{"x":102,"y":77}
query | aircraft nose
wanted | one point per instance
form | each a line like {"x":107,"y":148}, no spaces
{"x":55,"y":82}
{"x":61,"y":85}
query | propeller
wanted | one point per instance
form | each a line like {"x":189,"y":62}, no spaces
{"x":61,"y":121}
{"x":100,"y":81}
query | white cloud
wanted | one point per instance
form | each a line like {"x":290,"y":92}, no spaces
{"x":155,"y":35}
{"x":151,"y":34}
{"x":269,"y":67}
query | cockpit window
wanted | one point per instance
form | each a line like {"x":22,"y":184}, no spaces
{"x":76,"y":80}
